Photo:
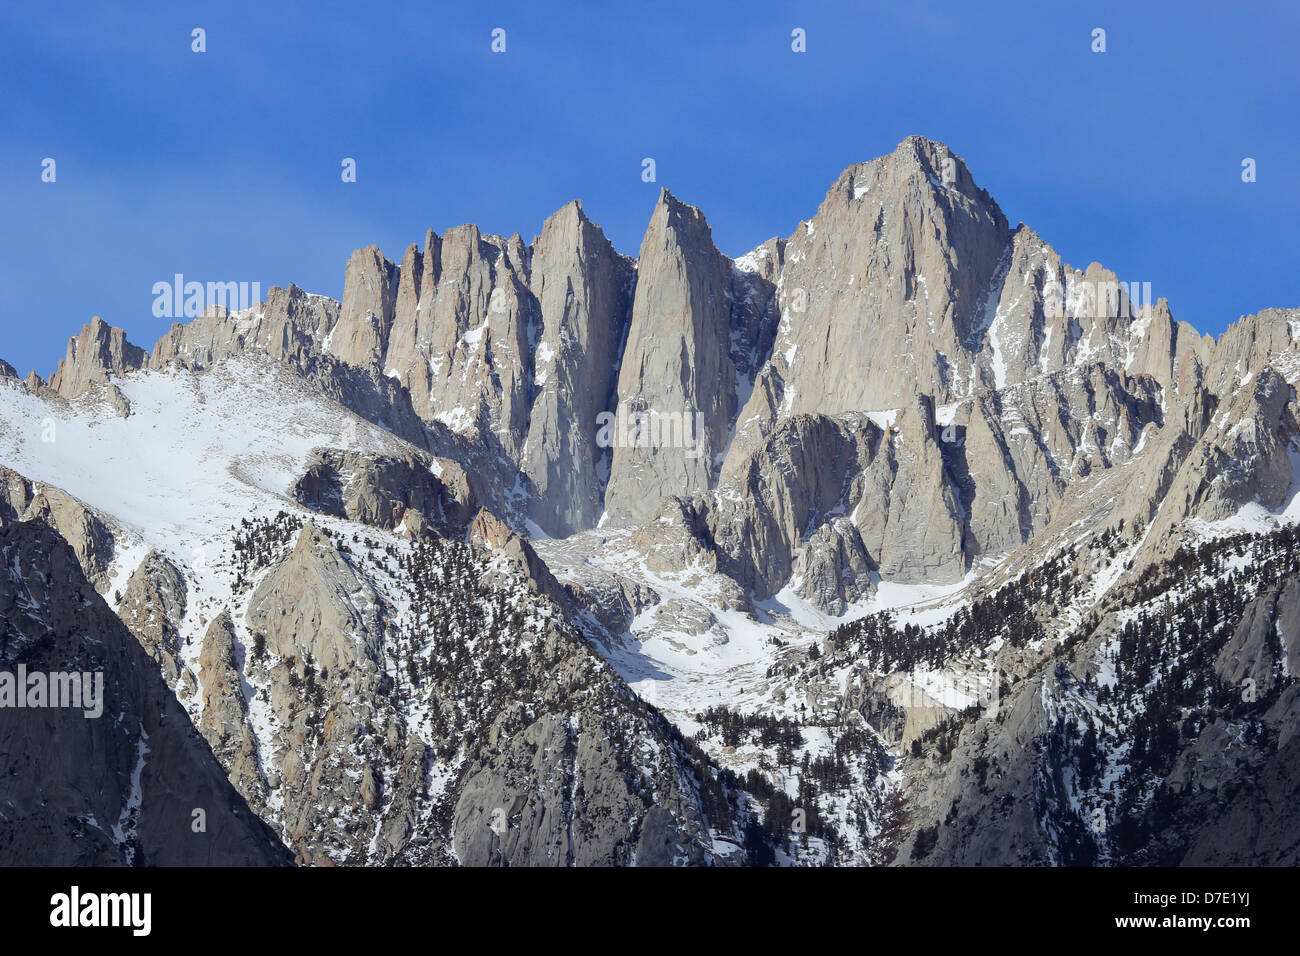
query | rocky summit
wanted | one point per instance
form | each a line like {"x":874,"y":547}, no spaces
{"x":895,"y":541}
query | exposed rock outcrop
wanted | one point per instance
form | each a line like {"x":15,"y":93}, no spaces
{"x":100,"y":350}
{"x":90,"y":538}
{"x":133,"y":785}
{"x":677,"y":370}
{"x":152,"y":607}
{"x":389,"y":491}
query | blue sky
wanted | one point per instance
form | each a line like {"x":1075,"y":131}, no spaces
{"x":225,"y":165}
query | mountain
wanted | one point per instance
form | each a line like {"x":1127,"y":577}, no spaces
{"x":133,"y":784}
{"x":895,"y":540}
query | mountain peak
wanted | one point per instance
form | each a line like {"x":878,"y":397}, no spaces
{"x":905,"y":410}
{"x":98,"y":351}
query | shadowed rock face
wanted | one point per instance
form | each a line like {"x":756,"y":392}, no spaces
{"x":802,"y":474}
{"x":1266,"y":641}
{"x":1259,"y":826}
{"x":576,"y":806}
{"x":410,"y":492}
{"x":119,"y":789}
{"x":91,"y":540}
